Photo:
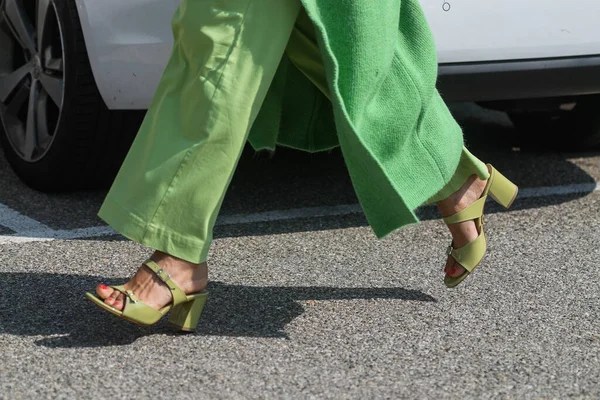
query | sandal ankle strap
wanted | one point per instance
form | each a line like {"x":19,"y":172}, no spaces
{"x":178,"y":295}
{"x":474,"y":211}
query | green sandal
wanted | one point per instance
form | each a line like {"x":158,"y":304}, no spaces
{"x":186,"y":309}
{"x":469,"y":256}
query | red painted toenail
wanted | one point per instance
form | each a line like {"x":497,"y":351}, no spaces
{"x":103,"y":286}
{"x":451,"y":271}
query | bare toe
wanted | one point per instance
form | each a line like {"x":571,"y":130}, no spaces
{"x":104,"y":291}
{"x":119,"y":302}
{"x":453,"y":269}
{"x":110,"y":300}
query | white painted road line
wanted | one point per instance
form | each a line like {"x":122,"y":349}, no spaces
{"x":18,"y":222}
{"x":29,"y":230}
{"x":47,"y":235}
{"x":294,"y":213}
{"x":347,"y":209}
{"x":548,"y":191}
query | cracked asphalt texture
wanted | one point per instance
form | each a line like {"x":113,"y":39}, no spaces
{"x":319,"y":308}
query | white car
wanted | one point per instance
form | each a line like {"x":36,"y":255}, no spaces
{"x":77,"y":75}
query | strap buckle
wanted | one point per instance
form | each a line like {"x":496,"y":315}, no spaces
{"x":163,"y":275}
{"x":129,"y":293}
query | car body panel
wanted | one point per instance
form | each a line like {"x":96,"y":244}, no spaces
{"x":129,"y":42}
{"x":128,"y":45}
{"x":483,"y":31}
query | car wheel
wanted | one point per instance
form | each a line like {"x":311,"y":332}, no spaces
{"x":55,"y":129}
{"x":574,"y":128}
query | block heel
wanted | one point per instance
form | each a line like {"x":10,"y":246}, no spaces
{"x":502,"y":190}
{"x":185,"y":316}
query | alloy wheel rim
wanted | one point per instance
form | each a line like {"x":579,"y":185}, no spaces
{"x":32,"y":75}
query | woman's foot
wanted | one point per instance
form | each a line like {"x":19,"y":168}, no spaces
{"x":190,"y":277}
{"x":462,"y":232}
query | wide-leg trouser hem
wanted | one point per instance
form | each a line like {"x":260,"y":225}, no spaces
{"x":157,"y":237}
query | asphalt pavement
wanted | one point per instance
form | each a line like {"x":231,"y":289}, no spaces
{"x":305,"y":302}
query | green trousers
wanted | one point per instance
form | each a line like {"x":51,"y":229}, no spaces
{"x":170,"y":188}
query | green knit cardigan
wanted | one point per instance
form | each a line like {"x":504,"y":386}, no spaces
{"x":400,"y":143}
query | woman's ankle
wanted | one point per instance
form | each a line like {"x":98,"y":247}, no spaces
{"x":191,"y":277}
{"x":468,"y":193}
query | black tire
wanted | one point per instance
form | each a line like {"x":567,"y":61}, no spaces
{"x":89,"y":142}
{"x":570,"y":130}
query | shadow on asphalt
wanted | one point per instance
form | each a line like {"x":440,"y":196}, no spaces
{"x":29,"y":306}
